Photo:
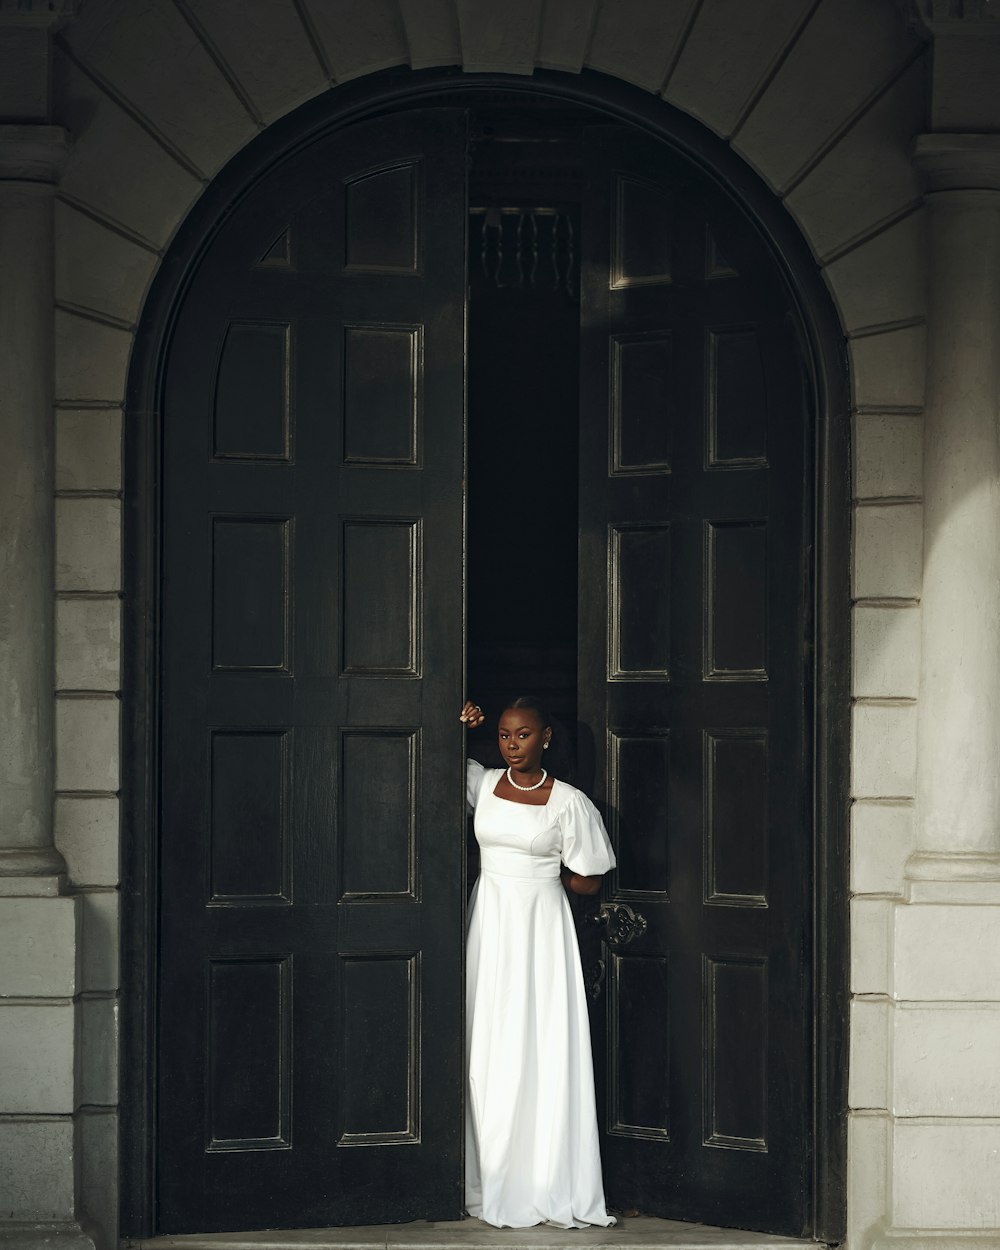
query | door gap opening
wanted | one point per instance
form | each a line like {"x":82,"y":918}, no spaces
{"x":523,"y":446}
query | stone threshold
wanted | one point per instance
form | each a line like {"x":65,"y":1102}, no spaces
{"x":636,"y":1233}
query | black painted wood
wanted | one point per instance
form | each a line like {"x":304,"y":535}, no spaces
{"x":310,"y":941}
{"x":694,"y":610}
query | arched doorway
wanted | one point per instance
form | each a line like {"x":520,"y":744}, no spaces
{"x":307,"y":376}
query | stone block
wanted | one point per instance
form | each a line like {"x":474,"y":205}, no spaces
{"x":886,"y":652}
{"x":99,"y":965}
{"x":87,"y":744}
{"x":360,"y":36}
{"x":946,"y":1175}
{"x":844,"y":55}
{"x":868,"y":176}
{"x":38,"y":948}
{"x":883,"y":837}
{"x":889,"y":369}
{"x":89,"y":449}
{"x":888,"y":456}
{"x":149,"y":191}
{"x":888,"y":551}
{"x":431,"y":28}
{"x":265,"y":45}
{"x":945,"y":1061}
{"x":98,"y":1051}
{"x":883,"y":750}
{"x":868,"y":1069}
{"x":97,"y":1137}
{"x":24,"y":55}
{"x":91,"y":360}
{"x":946,"y":953}
{"x":868,"y":1146}
{"x":966,"y":64}
{"x":153,"y":58}
{"x":870,"y":929}
{"x":637,"y":39}
{"x":36,"y":1058}
{"x":39,"y":1165}
{"x":98,"y":269}
{"x":88,"y":644}
{"x":883,"y":280}
{"x":88,"y":544}
{"x":87,"y":835}
{"x":731,"y":48}
{"x":565,"y":33}
{"x":499,"y":39}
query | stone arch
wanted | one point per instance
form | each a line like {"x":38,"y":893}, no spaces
{"x":159,"y":97}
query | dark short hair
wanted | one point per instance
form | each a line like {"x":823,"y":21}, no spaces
{"x":529,"y":703}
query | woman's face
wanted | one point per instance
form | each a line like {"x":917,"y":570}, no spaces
{"x":522,"y":737}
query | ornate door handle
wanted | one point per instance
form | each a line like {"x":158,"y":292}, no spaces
{"x":621,"y":924}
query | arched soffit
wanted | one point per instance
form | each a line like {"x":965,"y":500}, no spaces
{"x":821,"y":100}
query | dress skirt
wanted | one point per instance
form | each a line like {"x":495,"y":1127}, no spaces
{"x":532,"y":1151}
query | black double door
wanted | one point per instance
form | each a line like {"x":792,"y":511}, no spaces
{"x":311,"y":886}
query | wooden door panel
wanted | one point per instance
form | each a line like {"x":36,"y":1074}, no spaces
{"x":692,"y":662}
{"x":310,"y":1051}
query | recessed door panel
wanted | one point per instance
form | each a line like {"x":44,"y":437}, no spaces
{"x":641,"y":404}
{"x":383,"y":213}
{"x":639,"y":621}
{"x":250,"y":803}
{"x":380,"y":811}
{"x":248,"y":1091}
{"x":638,"y":810}
{"x":381,"y":582}
{"x":736,"y":612}
{"x":639,"y":1098}
{"x":381,"y":1051}
{"x":736,"y":399}
{"x":735,"y":1011}
{"x":250,"y":593}
{"x":736,"y":817}
{"x":252,"y":393}
{"x":382,"y":385}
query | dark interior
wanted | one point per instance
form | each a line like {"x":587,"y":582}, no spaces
{"x":523,"y":413}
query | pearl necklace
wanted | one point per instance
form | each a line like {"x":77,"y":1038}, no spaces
{"x":539,"y":782}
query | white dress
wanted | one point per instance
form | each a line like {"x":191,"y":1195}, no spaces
{"x":532,"y":1153}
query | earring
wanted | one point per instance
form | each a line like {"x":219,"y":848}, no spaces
{"x":545,"y":746}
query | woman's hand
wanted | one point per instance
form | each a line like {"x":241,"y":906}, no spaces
{"x":579,"y":884}
{"x":472,"y":715}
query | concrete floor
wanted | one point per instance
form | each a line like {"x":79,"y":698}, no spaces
{"x":638,"y":1233}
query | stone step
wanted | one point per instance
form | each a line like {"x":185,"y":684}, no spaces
{"x":636,"y":1233}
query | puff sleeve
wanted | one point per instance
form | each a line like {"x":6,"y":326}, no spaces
{"x":474,"y":773}
{"x":586,"y":847}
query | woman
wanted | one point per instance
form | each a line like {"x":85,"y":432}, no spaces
{"x":532,"y":1152}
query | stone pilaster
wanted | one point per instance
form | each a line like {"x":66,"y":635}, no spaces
{"x":39,"y":926}
{"x":945,"y":973}
{"x":30,"y":156}
{"x":958,"y":799}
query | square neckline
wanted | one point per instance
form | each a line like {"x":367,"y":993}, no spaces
{"x":516,"y":802}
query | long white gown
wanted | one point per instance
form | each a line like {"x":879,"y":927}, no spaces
{"x":532,"y":1152}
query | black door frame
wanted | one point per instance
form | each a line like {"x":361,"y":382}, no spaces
{"x":824,"y":349}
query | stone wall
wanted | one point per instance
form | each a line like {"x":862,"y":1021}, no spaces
{"x":823,"y":100}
